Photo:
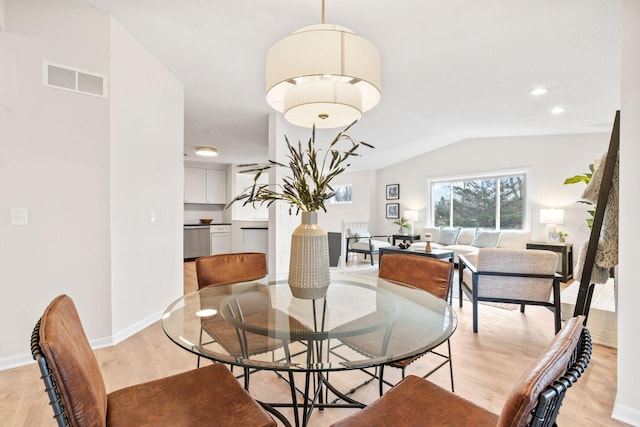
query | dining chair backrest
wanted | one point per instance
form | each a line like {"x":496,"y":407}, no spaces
{"x":208,"y":396}
{"x":536,"y":398}
{"x":61,"y":341}
{"x":429,"y":274}
{"x":226,"y":269}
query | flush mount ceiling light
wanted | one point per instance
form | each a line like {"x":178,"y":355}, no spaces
{"x":558,"y":110}
{"x":323,"y":74}
{"x":538,"y":91}
{"x":206,"y":151}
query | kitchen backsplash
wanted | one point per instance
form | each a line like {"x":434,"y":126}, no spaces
{"x":193,"y":213}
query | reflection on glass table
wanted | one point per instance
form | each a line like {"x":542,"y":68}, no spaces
{"x":357,"y":325}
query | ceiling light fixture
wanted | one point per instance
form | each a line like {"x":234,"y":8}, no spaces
{"x":558,"y":110}
{"x":206,"y":151}
{"x":538,"y":91}
{"x":323,"y":74}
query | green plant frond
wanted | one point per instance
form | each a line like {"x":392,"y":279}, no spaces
{"x":576,"y":179}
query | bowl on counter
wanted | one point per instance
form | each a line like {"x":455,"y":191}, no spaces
{"x":206,"y":220}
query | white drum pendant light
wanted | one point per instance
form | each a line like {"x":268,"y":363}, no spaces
{"x":323,"y":74}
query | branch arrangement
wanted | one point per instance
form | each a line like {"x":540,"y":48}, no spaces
{"x":309,"y":184}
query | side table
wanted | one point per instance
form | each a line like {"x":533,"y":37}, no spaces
{"x":566,"y":252}
{"x":402,"y":237}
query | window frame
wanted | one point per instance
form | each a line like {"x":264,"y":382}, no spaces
{"x":478,"y":176}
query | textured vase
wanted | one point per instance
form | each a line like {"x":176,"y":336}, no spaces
{"x":309,"y":261}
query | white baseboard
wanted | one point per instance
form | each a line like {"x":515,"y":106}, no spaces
{"x":135,"y":328}
{"x":27,"y":358}
{"x":626,"y":414}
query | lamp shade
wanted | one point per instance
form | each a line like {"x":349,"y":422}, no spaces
{"x":551,"y":216}
{"x":323,"y":74}
{"x":411,"y":215}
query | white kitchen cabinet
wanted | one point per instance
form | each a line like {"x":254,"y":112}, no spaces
{"x":216,"y":186}
{"x":205,"y":186}
{"x":195,"y":181}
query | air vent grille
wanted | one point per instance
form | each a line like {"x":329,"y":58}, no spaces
{"x":73,"y":79}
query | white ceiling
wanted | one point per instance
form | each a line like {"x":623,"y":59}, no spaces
{"x":451,"y":69}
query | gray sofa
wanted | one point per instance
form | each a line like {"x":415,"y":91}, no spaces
{"x":463,"y":241}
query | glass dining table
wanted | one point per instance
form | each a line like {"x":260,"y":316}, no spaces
{"x":358,"y":324}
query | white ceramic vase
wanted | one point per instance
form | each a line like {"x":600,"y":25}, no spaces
{"x":309,"y":260}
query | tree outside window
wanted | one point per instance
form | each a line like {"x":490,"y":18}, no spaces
{"x":495,"y":202}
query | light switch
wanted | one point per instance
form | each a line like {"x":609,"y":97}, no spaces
{"x":19,"y":216}
{"x":152,"y":215}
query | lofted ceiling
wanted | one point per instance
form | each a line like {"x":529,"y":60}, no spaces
{"x":451,"y":69}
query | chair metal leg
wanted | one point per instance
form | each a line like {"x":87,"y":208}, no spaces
{"x":381,"y":382}
{"x":475,"y":314}
{"x":246,"y":379}
{"x":450,"y":365}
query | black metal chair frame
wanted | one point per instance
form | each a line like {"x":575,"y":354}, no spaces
{"x":549,"y":401}
{"x":471,"y":293}
{"x":50,"y":387}
{"x":371,"y":250}
{"x":446,"y":359}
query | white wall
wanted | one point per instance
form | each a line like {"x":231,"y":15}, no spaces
{"x":627,"y":405}
{"x":364,"y":184}
{"x":1,"y":15}
{"x":54,"y":160}
{"x":147,"y":105}
{"x":551,"y":159}
{"x":64,"y":157}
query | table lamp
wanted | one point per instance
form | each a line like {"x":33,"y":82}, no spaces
{"x":411,"y":216}
{"x":551,"y":217}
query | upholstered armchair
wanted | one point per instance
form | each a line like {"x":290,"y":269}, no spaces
{"x":359,"y":240}
{"x":515,"y":276}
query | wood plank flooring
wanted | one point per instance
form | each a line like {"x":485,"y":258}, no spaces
{"x":485,"y":365}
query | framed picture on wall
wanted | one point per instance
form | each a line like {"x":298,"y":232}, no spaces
{"x":393,"y":210}
{"x":393,"y":191}
{"x":343,"y":194}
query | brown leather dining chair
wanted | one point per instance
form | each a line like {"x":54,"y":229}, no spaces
{"x":534,"y":400}
{"x":429,"y":274}
{"x":227,"y":269}
{"x":208,"y":396}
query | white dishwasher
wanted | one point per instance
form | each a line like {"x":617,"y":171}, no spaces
{"x":220,"y":239}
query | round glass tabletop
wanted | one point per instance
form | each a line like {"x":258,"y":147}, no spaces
{"x":263,"y":326}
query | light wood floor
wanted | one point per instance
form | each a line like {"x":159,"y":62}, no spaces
{"x":486,"y":365}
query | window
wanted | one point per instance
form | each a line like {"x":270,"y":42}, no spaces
{"x":495,"y":201}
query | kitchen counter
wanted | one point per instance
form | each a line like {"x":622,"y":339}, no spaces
{"x":206,"y":225}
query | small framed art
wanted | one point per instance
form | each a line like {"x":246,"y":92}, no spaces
{"x":343,"y":194}
{"x":393,"y":210}
{"x":393,"y":191}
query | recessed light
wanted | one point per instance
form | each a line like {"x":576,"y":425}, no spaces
{"x":558,"y":110}
{"x":206,"y":151}
{"x":538,"y":91}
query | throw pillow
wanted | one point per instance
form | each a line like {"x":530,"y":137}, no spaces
{"x":448,"y":236}
{"x":358,"y":233}
{"x":486,"y":239}
{"x":465,"y":236}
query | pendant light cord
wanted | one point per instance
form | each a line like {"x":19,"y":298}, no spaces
{"x":323,"y":11}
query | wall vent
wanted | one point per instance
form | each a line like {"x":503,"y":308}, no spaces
{"x":73,"y":79}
